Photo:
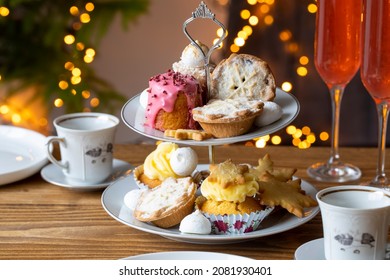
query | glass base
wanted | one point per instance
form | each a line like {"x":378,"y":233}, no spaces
{"x":380,"y":182}
{"x":339,"y":173}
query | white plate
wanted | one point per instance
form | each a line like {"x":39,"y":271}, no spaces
{"x":314,"y":250}
{"x":22,"y":153}
{"x":54,"y":175}
{"x":133,"y":115}
{"x":112,"y":201}
{"x":186,"y":255}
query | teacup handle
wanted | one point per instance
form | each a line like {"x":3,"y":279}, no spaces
{"x":50,"y":140}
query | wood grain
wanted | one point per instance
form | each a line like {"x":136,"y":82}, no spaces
{"x":43,"y":221}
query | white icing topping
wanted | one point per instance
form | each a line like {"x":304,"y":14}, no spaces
{"x":195,"y":223}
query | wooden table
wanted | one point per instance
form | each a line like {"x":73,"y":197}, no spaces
{"x":43,"y":221}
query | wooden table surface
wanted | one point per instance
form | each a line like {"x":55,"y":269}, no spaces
{"x":43,"y":221}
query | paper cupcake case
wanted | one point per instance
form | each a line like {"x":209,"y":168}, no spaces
{"x":237,"y":223}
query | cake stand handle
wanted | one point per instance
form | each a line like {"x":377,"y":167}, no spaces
{"x":211,"y":154}
{"x":204,"y":12}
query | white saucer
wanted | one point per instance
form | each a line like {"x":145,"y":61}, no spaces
{"x":53,"y":174}
{"x":186,"y":255}
{"x":314,"y":250}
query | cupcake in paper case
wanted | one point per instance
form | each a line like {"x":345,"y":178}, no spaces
{"x":168,"y":160}
{"x":228,"y":217}
{"x":229,"y":199}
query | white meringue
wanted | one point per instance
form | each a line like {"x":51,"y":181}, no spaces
{"x":195,"y":223}
{"x":183,"y":161}
{"x":271,"y":113}
{"x":143,"y":98}
{"x":131,"y":198}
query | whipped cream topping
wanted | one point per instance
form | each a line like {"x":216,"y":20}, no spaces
{"x":163,"y":91}
{"x":131,"y":198}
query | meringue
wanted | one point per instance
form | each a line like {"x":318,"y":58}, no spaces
{"x":271,"y":113}
{"x":195,"y":223}
{"x":131,"y":198}
{"x":183,"y":161}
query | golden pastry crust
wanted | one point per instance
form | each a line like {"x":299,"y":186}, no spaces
{"x":243,"y":75}
{"x":228,"y":118}
{"x":166,"y":205}
{"x":141,"y":178}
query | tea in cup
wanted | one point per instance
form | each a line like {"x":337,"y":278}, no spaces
{"x":86,"y":143}
{"x":356,"y":222}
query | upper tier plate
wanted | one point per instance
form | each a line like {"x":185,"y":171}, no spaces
{"x":133,"y":115}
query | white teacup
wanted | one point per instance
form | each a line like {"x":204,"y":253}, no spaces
{"x":86,"y":145}
{"x":356,"y":222}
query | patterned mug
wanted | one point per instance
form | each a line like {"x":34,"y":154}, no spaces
{"x":86,"y":143}
{"x":356,"y":222}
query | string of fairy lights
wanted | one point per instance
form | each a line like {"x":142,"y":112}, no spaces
{"x":261,"y":16}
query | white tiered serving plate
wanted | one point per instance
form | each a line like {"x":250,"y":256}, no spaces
{"x":133,"y":115}
{"x":112,"y":201}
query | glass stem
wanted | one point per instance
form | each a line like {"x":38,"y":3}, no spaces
{"x":336,"y":94}
{"x":383,"y":114}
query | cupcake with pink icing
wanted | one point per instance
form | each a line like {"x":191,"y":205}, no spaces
{"x":171,"y":96}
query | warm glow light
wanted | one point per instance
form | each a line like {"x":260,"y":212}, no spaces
{"x":292,"y":47}
{"x":242,"y":34}
{"x":80,"y":46}
{"x":74,"y":11}
{"x":58,"y":102}
{"x":264,"y":9}
{"x":75,"y":80}
{"x":90,"y":52}
{"x":287,"y":86}
{"x":248,"y":29}
{"x":268,"y":20}
{"x":16,"y":118}
{"x":94,"y":102}
{"x":304,"y":145}
{"x":312,"y":8}
{"x":89,"y":7}
{"x":276,"y":140}
{"x":4,"y":109}
{"x":239,"y":41}
{"x":76,"y":72}
{"x":219,"y":32}
{"x":296,"y":142}
{"x":311,"y":138}
{"x":306,"y":130}
{"x":324,"y":136}
{"x":291,"y":129}
{"x":245,"y":14}
{"x":69,"y":39}
{"x":85,"y":18}
{"x":304,"y":60}
{"x":253,"y":20}
{"x":234,"y":48}
{"x":88,"y":59}
{"x":297,"y":133}
{"x":302,"y":71}
{"x":285,"y":35}
{"x":4,"y":11}
{"x":86,"y":94}
{"x":251,"y":2}
{"x":63,"y":85}
{"x":73,"y":91}
{"x":69,"y":66}
{"x":261,"y":143}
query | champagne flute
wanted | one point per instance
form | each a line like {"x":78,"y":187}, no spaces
{"x":375,"y":72}
{"x":337,"y":59}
